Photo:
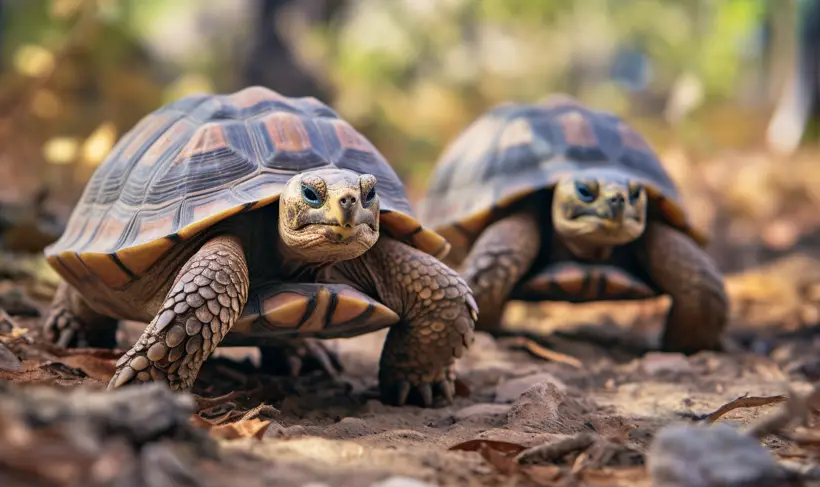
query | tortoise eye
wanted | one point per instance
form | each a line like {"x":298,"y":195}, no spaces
{"x":370,"y":196}
{"x":368,"y":185}
{"x":311,"y":196}
{"x":584,"y":192}
{"x":635,"y":193}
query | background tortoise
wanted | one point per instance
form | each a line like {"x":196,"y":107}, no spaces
{"x":250,"y":218}
{"x":554,"y":201}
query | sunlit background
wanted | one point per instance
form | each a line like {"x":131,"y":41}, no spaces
{"x":724,"y":89}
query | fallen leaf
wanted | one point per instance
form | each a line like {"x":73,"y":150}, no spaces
{"x":501,"y":446}
{"x":504,"y":463}
{"x":94,"y":367}
{"x":251,"y":428}
{"x":462,"y":389}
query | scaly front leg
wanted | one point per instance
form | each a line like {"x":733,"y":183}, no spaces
{"x":438,"y":315}
{"x":700,"y":306}
{"x":207,"y":297}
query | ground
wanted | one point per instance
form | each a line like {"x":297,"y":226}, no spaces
{"x":515,"y":393}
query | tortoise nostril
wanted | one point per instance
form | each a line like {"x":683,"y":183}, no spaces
{"x":343,"y":201}
{"x":353,"y":199}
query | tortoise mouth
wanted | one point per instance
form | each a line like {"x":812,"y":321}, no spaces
{"x":341,"y":234}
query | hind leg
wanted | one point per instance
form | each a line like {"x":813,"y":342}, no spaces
{"x":700,"y":306}
{"x":500,"y":257}
{"x":296,"y":357}
{"x":73,"y":323}
{"x":207,"y":297}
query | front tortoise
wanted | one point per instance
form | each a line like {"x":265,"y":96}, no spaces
{"x":555,"y":201}
{"x":251,"y":219}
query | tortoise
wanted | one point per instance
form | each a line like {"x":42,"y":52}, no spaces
{"x":251,"y":219}
{"x":555,"y":201}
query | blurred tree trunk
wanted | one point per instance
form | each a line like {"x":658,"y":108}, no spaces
{"x":271,"y":63}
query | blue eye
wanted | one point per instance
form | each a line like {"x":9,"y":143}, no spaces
{"x":585,"y":194}
{"x":310,"y":196}
{"x":635,"y":193}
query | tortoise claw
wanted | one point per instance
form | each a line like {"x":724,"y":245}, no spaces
{"x":302,"y":356}
{"x":424,"y":394}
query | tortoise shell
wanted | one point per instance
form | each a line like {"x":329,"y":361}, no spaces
{"x":202,"y":159}
{"x":514,"y":150}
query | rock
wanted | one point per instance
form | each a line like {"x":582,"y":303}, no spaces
{"x":546,"y":408}
{"x":481,"y":410}
{"x":657,"y":363}
{"x":8,"y":361}
{"x":399,"y":481}
{"x":510,"y":390}
{"x":711,"y":456}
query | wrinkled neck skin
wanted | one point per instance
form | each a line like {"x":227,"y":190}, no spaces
{"x":294,"y":265}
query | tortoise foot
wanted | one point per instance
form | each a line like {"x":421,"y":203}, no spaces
{"x":64,"y":329}
{"x":300,"y":358}
{"x":400,"y":386}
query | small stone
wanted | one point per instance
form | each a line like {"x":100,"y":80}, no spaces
{"x":512,"y":389}
{"x":164,"y":320}
{"x":175,"y":336}
{"x":715,"y":455}
{"x":195,"y":300}
{"x":157,"y":352}
{"x":139,"y":363}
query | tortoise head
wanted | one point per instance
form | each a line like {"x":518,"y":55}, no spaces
{"x":329,"y":215}
{"x":599,"y":208}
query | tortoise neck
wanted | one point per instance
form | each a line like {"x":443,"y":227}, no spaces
{"x":584,"y":251}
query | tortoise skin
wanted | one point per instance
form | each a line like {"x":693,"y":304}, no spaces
{"x":493,"y":195}
{"x":256,"y":219}
{"x":204,"y":158}
{"x":514,"y":150}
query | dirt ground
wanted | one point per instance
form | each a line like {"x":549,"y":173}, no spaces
{"x":513,"y":394}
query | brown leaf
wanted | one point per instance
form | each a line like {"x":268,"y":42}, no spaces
{"x":97,"y":368}
{"x":251,"y":428}
{"x":462,"y":389}
{"x":501,"y":446}
{"x":505,"y":463}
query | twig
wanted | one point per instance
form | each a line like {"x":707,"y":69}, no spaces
{"x":744,"y":401}
{"x":545,"y":353}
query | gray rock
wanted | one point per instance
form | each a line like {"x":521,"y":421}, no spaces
{"x":711,"y":456}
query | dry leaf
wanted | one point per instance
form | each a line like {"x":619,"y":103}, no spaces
{"x":251,"y":428}
{"x":501,"y":446}
{"x":94,"y":367}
